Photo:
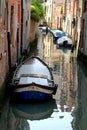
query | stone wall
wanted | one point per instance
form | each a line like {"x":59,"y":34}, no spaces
{"x":33,"y":25}
{"x":3,"y":44}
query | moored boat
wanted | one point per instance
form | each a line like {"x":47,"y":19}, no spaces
{"x":33,"y":80}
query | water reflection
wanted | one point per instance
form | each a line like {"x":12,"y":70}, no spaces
{"x":64,"y":70}
{"x":59,"y":112}
{"x":9,"y":121}
{"x":80,"y":114}
{"x":34,"y":111}
{"x":16,"y":115}
{"x":64,"y":66}
{"x":58,"y":120}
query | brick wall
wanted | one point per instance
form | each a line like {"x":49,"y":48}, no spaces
{"x":14,"y":22}
{"x":56,"y":23}
{"x":3,"y":53}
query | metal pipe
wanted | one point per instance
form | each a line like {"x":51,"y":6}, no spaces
{"x":21,"y":48}
{"x":8,"y":41}
{"x":9,"y":53}
{"x":17,"y":45}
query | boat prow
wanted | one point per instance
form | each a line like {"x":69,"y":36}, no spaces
{"x":33,"y":80}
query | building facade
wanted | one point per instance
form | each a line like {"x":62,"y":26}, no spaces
{"x":49,"y":12}
{"x":14,"y":29}
{"x":83,"y":37}
{"x":25,"y":23}
{"x":3,"y":41}
{"x":14,"y":33}
{"x":58,"y":11}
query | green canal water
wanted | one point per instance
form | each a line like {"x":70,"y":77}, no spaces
{"x":67,"y":110}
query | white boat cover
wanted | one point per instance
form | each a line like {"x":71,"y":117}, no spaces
{"x":31,"y":69}
{"x":29,"y":80}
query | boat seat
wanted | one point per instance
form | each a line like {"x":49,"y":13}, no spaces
{"x":30,"y":80}
{"x":34,"y":75}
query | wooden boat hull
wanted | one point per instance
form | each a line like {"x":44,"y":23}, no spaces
{"x":33,"y":80}
{"x":33,"y":92}
{"x":31,"y":96}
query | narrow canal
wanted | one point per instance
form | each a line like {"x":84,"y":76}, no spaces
{"x":67,"y":109}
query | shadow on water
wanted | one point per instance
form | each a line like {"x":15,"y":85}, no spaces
{"x":16,"y":115}
{"x":64,"y":49}
{"x":64,"y":65}
{"x":80,"y":114}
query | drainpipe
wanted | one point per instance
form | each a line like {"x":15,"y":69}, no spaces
{"x":52,"y":14}
{"x":9,"y":52}
{"x":8,"y":41}
{"x":18,"y":45}
{"x":65,"y":4}
{"x":21,"y":48}
{"x":65,"y":9}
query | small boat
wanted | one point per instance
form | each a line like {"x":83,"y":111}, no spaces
{"x":57,"y":34}
{"x":33,"y":80}
{"x":64,"y":41}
